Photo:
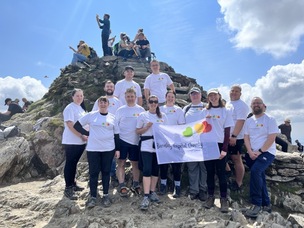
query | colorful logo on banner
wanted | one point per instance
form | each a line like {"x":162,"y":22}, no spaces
{"x":198,"y":128}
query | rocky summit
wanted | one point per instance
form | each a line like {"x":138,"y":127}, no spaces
{"x":31,"y":165}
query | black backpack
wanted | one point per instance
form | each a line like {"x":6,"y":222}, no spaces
{"x":93,"y":53}
{"x":115,"y":49}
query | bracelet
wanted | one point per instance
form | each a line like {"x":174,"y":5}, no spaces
{"x":233,"y":136}
{"x":260,"y":150}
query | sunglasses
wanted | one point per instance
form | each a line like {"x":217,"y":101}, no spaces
{"x":151,"y":101}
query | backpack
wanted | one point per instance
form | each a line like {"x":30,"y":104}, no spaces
{"x":8,"y":132}
{"x":115,"y":49}
{"x":93,"y":53}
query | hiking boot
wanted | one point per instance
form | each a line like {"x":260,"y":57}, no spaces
{"x":267,"y":208}
{"x":163,"y":189}
{"x":209,"y":202}
{"x":77,"y":188}
{"x":224,"y":205}
{"x":193,"y":196}
{"x":235,"y":187}
{"x":177,"y":192}
{"x":253,"y":212}
{"x":154,"y":197}
{"x":145,"y":204}
{"x":69,"y":193}
{"x":202,"y":195}
{"x":106,"y":202}
{"x":91,"y":202}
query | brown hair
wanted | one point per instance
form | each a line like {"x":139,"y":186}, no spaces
{"x":158,"y":112}
{"x":104,"y":99}
{"x":221,"y":104}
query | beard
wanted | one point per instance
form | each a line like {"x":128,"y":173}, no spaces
{"x":109,"y":92}
{"x":257,"y":111}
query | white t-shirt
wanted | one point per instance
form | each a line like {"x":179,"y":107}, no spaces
{"x":142,"y":121}
{"x":114,"y":104}
{"x":219,"y":120}
{"x":126,"y":118}
{"x":258,"y":130}
{"x":102,"y":130}
{"x":240,"y":111}
{"x":157,"y":84}
{"x":121,"y":87}
{"x":193,"y":113}
{"x":175,"y":114}
{"x":72,"y":112}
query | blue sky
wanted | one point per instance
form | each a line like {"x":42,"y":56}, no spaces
{"x":219,"y":43}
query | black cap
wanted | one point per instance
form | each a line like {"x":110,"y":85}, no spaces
{"x":7,"y":100}
{"x":128,"y":68}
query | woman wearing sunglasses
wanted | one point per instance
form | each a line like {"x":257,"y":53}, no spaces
{"x":150,"y":167}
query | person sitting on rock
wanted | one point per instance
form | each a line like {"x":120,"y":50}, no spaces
{"x":143,"y":47}
{"x":82,"y":53}
{"x":125,"y":47}
{"x":26,"y":104}
{"x":140,"y":30}
{"x":13,"y":108}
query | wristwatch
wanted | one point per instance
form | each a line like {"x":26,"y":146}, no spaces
{"x":260,"y":150}
{"x":233,"y":136}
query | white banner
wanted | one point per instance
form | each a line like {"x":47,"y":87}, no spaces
{"x":183,"y":143}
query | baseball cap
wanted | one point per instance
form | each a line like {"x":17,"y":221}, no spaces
{"x":287,"y":120}
{"x":128,"y":68}
{"x":7,"y":100}
{"x":214,"y":90}
{"x":195,"y":89}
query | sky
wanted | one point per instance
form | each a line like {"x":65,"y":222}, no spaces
{"x":219,"y":43}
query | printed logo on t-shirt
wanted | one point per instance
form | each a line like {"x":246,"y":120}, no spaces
{"x":215,"y":117}
{"x":111,"y":104}
{"x":136,"y":114}
{"x":172,"y":111}
{"x":105,"y":124}
{"x":259,"y":125}
{"x":160,"y":79}
{"x":160,"y":121}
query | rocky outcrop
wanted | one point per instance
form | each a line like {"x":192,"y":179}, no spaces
{"x":39,"y":153}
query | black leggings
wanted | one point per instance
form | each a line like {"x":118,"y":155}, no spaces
{"x":99,"y":161}
{"x":72,"y":154}
{"x":149,"y":164}
{"x":176,"y":170}
{"x":219,"y":167}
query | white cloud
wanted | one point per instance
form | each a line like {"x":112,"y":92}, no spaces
{"x":271,"y":26}
{"x":27,"y":87}
{"x":282,"y":91}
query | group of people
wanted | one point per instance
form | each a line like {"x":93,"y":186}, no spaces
{"x":126,"y":48}
{"x":118,"y":126}
{"x":13,"y":108}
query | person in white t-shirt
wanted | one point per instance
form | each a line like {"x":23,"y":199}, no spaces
{"x":260,"y":132}
{"x":175,"y":116}
{"x":157,"y":83}
{"x":126,"y":118}
{"x":74,"y":142}
{"x":128,"y":83}
{"x":150,"y":168}
{"x":103,"y":145}
{"x":196,"y":170}
{"x":221,"y":120}
{"x":114,"y":103}
{"x":240,"y":111}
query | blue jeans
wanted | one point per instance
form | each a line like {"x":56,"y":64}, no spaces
{"x":77,"y":57}
{"x":258,"y":189}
